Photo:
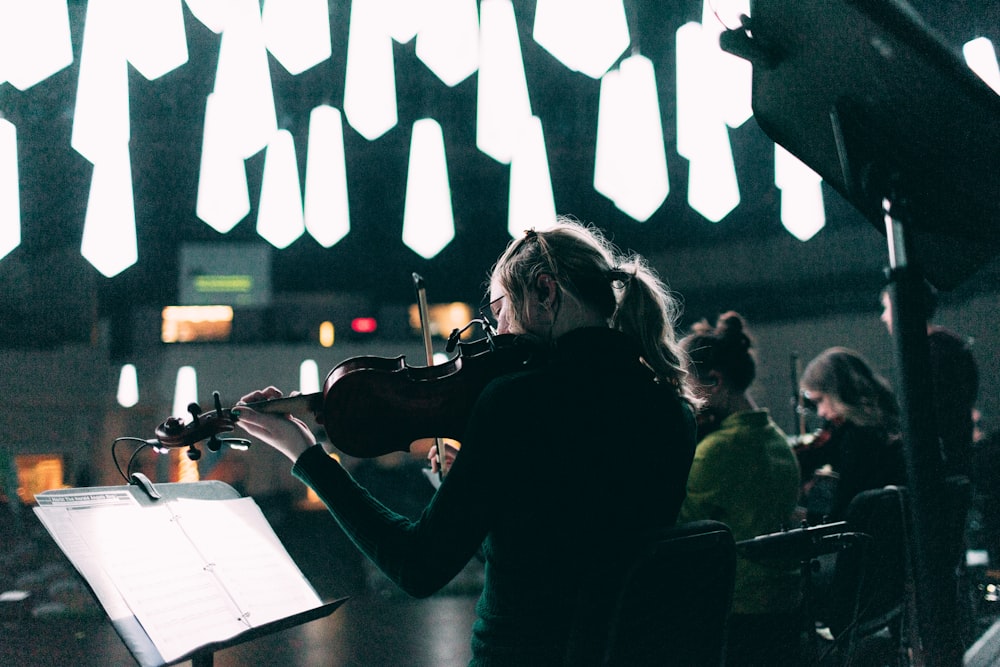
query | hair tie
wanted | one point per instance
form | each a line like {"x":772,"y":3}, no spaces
{"x":618,"y":277}
{"x":530,"y":234}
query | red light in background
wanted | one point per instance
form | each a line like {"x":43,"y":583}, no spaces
{"x":364,"y":325}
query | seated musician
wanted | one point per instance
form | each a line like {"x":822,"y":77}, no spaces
{"x":864,"y":450}
{"x":954,"y":378}
{"x":562,"y":464}
{"x":745,"y":474}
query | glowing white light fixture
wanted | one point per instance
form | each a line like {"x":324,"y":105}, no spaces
{"x":982,"y":59}
{"x":531,"y":204}
{"x":502,"y":103}
{"x":279,"y":216}
{"x":223,"y":196}
{"x":587,"y":36}
{"x":428,"y":222}
{"x":101,"y":116}
{"x":243,"y":79}
{"x":327,"y":213}
{"x":631,"y":159}
{"x":185,"y":391}
{"x":109,"y":239}
{"x":802,"y":211}
{"x":702,"y":132}
{"x":128,"y":386}
{"x":370,"y":78}
{"x":211,"y":13}
{"x":309,"y":377}
{"x":610,"y":153}
{"x":10,"y":199}
{"x":448,"y":41}
{"x":730,"y":77}
{"x":297,"y":33}
{"x":155,"y":41}
{"x":35,"y":41}
{"x":101,"y":135}
{"x":404,"y":17}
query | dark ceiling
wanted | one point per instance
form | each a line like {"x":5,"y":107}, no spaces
{"x":167,"y":116}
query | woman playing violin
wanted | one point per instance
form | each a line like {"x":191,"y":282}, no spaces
{"x":859,"y":407}
{"x":546,"y":480}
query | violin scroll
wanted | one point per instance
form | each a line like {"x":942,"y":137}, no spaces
{"x":174,"y":433}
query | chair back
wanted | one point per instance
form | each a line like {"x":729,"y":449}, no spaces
{"x":869,"y":579}
{"x":958,"y":502}
{"x":675,"y":601}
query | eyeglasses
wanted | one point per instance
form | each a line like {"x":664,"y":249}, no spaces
{"x":488,"y":315}
{"x":487,"y":320}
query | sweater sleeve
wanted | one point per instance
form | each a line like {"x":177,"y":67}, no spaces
{"x":419,"y":556}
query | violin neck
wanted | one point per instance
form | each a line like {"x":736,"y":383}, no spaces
{"x":297,"y":405}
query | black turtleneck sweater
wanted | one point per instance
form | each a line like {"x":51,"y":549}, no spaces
{"x":562,"y":468}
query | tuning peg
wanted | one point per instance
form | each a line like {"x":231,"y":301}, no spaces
{"x":173,"y":426}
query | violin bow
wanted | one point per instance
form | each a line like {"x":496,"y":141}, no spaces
{"x":418,"y":283}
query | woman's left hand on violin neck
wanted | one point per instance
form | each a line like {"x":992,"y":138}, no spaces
{"x":289,"y":435}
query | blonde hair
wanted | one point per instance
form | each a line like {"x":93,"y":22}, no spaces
{"x":623,"y":288}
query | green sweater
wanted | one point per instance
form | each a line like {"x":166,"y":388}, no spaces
{"x":745,"y":475}
{"x":561,"y":467}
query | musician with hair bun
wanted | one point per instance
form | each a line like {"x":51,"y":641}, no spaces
{"x":746,"y":475}
{"x":546,"y":480}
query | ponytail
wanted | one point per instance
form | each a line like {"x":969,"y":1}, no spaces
{"x":622,"y":287}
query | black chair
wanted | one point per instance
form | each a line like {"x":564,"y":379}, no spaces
{"x":675,"y":600}
{"x":867,"y":598}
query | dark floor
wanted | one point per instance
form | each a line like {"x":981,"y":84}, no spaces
{"x":366,"y":631}
{"x":61,"y":624}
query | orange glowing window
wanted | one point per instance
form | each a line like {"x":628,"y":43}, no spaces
{"x":444,"y":318}
{"x":326,"y":334}
{"x":189,"y":324}
{"x":37,"y":473}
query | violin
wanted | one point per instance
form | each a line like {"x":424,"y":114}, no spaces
{"x":811,"y":441}
{"x":812,"y":451}
{"x":371,"y":406}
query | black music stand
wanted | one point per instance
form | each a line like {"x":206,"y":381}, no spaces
{"x":876,"y":103}
{"x":805,"y":545}
{"x":129,"y":629}
{"x":205,"y":655}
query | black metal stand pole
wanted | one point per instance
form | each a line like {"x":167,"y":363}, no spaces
{"x":935,"y":585}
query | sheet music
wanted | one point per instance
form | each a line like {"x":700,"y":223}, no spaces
{"x":253,"y":564}
{"x":54,"y":513}
{"x":192,"y":572}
